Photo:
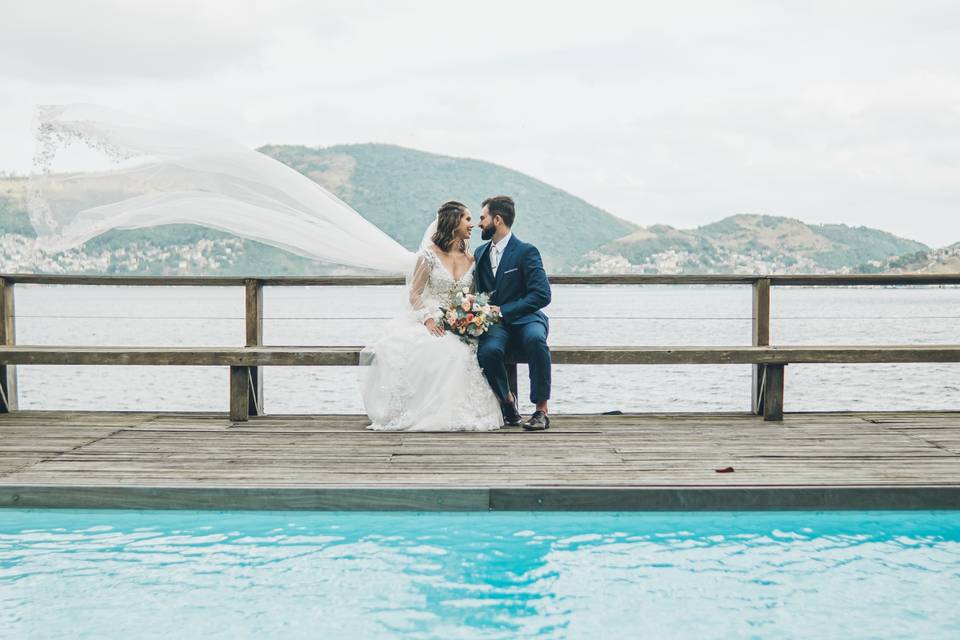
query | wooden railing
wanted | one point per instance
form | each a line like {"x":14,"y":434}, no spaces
{"x":246,"y":381}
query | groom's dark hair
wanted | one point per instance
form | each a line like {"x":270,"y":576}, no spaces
{"x":501,"y":206}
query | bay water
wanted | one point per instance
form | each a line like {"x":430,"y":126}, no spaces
{"x":580,"y":315}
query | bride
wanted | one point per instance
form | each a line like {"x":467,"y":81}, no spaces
{"x":419,"y":377}
{"x":416,"y":378}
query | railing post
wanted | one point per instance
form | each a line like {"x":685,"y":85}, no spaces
{"x":253,"y":312}
{"x":761,"y":338}
{"x":8,"y":336}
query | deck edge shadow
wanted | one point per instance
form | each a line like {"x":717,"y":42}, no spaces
{"x":806,"y":498}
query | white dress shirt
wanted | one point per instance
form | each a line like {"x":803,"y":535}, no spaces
{"x":496,"y":251}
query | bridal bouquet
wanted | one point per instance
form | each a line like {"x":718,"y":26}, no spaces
{"x":469,"y":315}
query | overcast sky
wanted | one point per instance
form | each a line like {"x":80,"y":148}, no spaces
{"x":824,"y":111}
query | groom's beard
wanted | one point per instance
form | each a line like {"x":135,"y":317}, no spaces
{"x":486,"y":234}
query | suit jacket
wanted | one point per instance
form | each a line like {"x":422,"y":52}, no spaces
{"x":520,"y":287}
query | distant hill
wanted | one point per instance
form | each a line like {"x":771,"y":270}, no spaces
{"x":399,"y":189}
{"x":945,"y":260}
{"x":750,"y":244}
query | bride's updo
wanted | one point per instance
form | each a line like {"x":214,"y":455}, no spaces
{"x":448,"y":219}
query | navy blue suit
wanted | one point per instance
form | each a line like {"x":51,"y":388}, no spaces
{"x":521,"y":290}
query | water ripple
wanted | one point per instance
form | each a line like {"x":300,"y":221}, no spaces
{"x":112,"y":574}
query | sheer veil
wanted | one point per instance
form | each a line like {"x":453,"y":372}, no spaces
{"x":158,"y":174}
{"x":427,"y":239}
{"x":162,"y":174}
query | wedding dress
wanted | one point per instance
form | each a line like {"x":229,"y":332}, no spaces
{"x":412,"y":380}
{"x":159,"y":174}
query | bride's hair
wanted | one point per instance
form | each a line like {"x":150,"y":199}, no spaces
{"x":448,"y":219}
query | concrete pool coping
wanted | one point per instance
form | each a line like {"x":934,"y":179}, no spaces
{"x":491,"y":499}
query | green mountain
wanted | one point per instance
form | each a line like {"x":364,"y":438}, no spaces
{"x":397,"y":189}
{"x":400,"y":189}
{"x":943,"y":260}
{"x":750,"y":244}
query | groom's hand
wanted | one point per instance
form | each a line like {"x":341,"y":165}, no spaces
{"x":433,"y":327}
{"x":495,"y":308}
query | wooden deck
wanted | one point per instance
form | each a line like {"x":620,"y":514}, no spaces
{"x":584,"y":462}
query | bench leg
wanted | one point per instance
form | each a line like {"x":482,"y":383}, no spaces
{"x":512,"y":380}
{"x":8,"y":334}
{"x":239,"y":394}
{"x":8,"y":388}
{"x":255,"y":401}
{"x":773,"y":393}
{"x":756,"y":390}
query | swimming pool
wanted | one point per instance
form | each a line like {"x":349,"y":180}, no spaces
{"x":185,"y":574}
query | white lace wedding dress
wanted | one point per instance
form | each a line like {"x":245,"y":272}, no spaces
{"x":415,"y":381}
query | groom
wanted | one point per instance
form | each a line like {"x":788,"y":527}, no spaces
{"x":513,"y":271}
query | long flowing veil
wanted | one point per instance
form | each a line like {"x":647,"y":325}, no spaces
{"x":427,"y":238}
{"x":162,"y":174}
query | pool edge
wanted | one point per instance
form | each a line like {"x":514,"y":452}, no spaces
{"x":418,"y":498}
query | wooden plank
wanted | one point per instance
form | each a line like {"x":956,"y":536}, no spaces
{"x":614,"y":279}
{"x":758,"y":355}
{"x":890,"y":279}
{"x":654,"y":279}
{"x":599,"y":355}
{"x":133,"y":281}
{"x":187,"y":356}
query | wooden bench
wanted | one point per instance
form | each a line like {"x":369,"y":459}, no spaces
{"x":246,"y":395}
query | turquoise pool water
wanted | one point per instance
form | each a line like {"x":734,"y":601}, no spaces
{"x":155,"y":574}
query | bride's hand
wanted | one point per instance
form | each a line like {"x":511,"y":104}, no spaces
{"x":433,"y":327}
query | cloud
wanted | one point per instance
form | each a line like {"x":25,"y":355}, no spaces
{"x":679,"y":113}
{"x":116,"y":40}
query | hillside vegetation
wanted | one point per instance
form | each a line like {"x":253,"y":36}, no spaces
{"x":399,"y":189}
{"x":750,"y":244}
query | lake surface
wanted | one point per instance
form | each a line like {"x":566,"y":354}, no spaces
{"x":580,"y":315}
{"x":181,"y":574}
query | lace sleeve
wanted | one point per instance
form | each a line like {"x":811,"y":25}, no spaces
{"x":418,"y":283}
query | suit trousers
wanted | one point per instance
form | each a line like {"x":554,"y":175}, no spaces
{"x":529,"y":343}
